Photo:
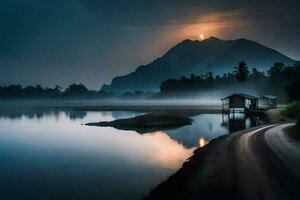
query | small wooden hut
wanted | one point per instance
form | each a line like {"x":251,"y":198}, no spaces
{"x":267,"y":101}
{"x":239,"y":102}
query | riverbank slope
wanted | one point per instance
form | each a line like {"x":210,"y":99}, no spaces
{"x":241,"y":165}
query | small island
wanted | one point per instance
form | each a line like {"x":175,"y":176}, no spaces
{"x":146,"y":123}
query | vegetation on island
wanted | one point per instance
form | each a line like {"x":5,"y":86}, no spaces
{"x":150,"y":122}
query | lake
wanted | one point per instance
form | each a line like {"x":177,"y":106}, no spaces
{"x":50,"y":154}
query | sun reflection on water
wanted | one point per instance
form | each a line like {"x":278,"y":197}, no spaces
{"x":167,"y":152}
{"x":202,"y":142}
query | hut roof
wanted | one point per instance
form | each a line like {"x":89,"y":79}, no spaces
{"x":268,"y":97}
{"x":246,"y":96}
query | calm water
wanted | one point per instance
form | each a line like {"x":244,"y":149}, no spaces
{"x":51,"y":155}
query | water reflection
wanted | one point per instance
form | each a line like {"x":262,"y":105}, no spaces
{"x":206,"y":126}
{"x":73,"y":115}
{"x":38,"y":113}
{"x":239,"y":121}
{"x":210,"y":126}
{"x":31,"y":113}
{"x":202,"y":142}
{"x":167,"y":152}
{"x":56,"y":156}
{"x":49,"y":152}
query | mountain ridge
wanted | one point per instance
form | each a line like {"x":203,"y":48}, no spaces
{"x":194,"y":56}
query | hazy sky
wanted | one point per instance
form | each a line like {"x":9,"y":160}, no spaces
{"x":51,"y":42}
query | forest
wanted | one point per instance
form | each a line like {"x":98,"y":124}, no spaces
{"x":39,"y":92}
{"x":280,"y":80}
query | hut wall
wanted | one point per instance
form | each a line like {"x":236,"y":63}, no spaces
{"x":237,"y":102}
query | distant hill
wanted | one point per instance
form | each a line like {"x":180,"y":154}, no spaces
{"x":212,"y":54}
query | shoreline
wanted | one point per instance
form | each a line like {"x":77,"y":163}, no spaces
{"x":189,"y":109}
{"x":182,"y":176}
{"x":228,"y":168}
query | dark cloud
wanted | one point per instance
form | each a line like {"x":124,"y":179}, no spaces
{"x":157,"y":12}
{"x":62,"y":41}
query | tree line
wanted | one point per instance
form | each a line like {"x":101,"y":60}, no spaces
{"x":280,"y":80}
{"x":39,"y":92}
{"x":71,"y":92}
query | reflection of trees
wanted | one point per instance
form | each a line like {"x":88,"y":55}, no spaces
{"x":28,"y":113}
{"x":38,"y":113}
{"x":205,"y":126}
{"x":76,"y":114}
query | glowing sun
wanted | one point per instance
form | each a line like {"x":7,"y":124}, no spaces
{"x":201,"y":36}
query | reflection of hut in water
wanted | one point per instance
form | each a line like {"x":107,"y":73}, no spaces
{"x":239,"y":103}
{"x":267,"y":101}
{"x":238,"y":121}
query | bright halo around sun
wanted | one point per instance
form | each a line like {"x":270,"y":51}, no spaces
{"x":201,"y":36}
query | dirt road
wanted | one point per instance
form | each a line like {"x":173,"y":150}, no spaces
{"x":258,"y":163}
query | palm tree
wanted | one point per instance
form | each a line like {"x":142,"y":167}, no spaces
{"x":241,"y":72}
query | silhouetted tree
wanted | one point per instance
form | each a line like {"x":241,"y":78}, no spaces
{"x":210,"y":76}
{"x":57,"y":87}
{"x":241,"y":72}
{"x":293,"y":87}
{"x":76,"y":90}
{"x":193,"y":77}
{"x":256,"y":74}
{"x":276,"y":69}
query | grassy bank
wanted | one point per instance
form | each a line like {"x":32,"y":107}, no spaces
{"x":292,"y":111}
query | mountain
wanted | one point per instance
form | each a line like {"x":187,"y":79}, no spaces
{"x":212,"y":54}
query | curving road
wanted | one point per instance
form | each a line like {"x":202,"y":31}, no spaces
{"x":285,"y":147}
{"x":259,"y":163}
